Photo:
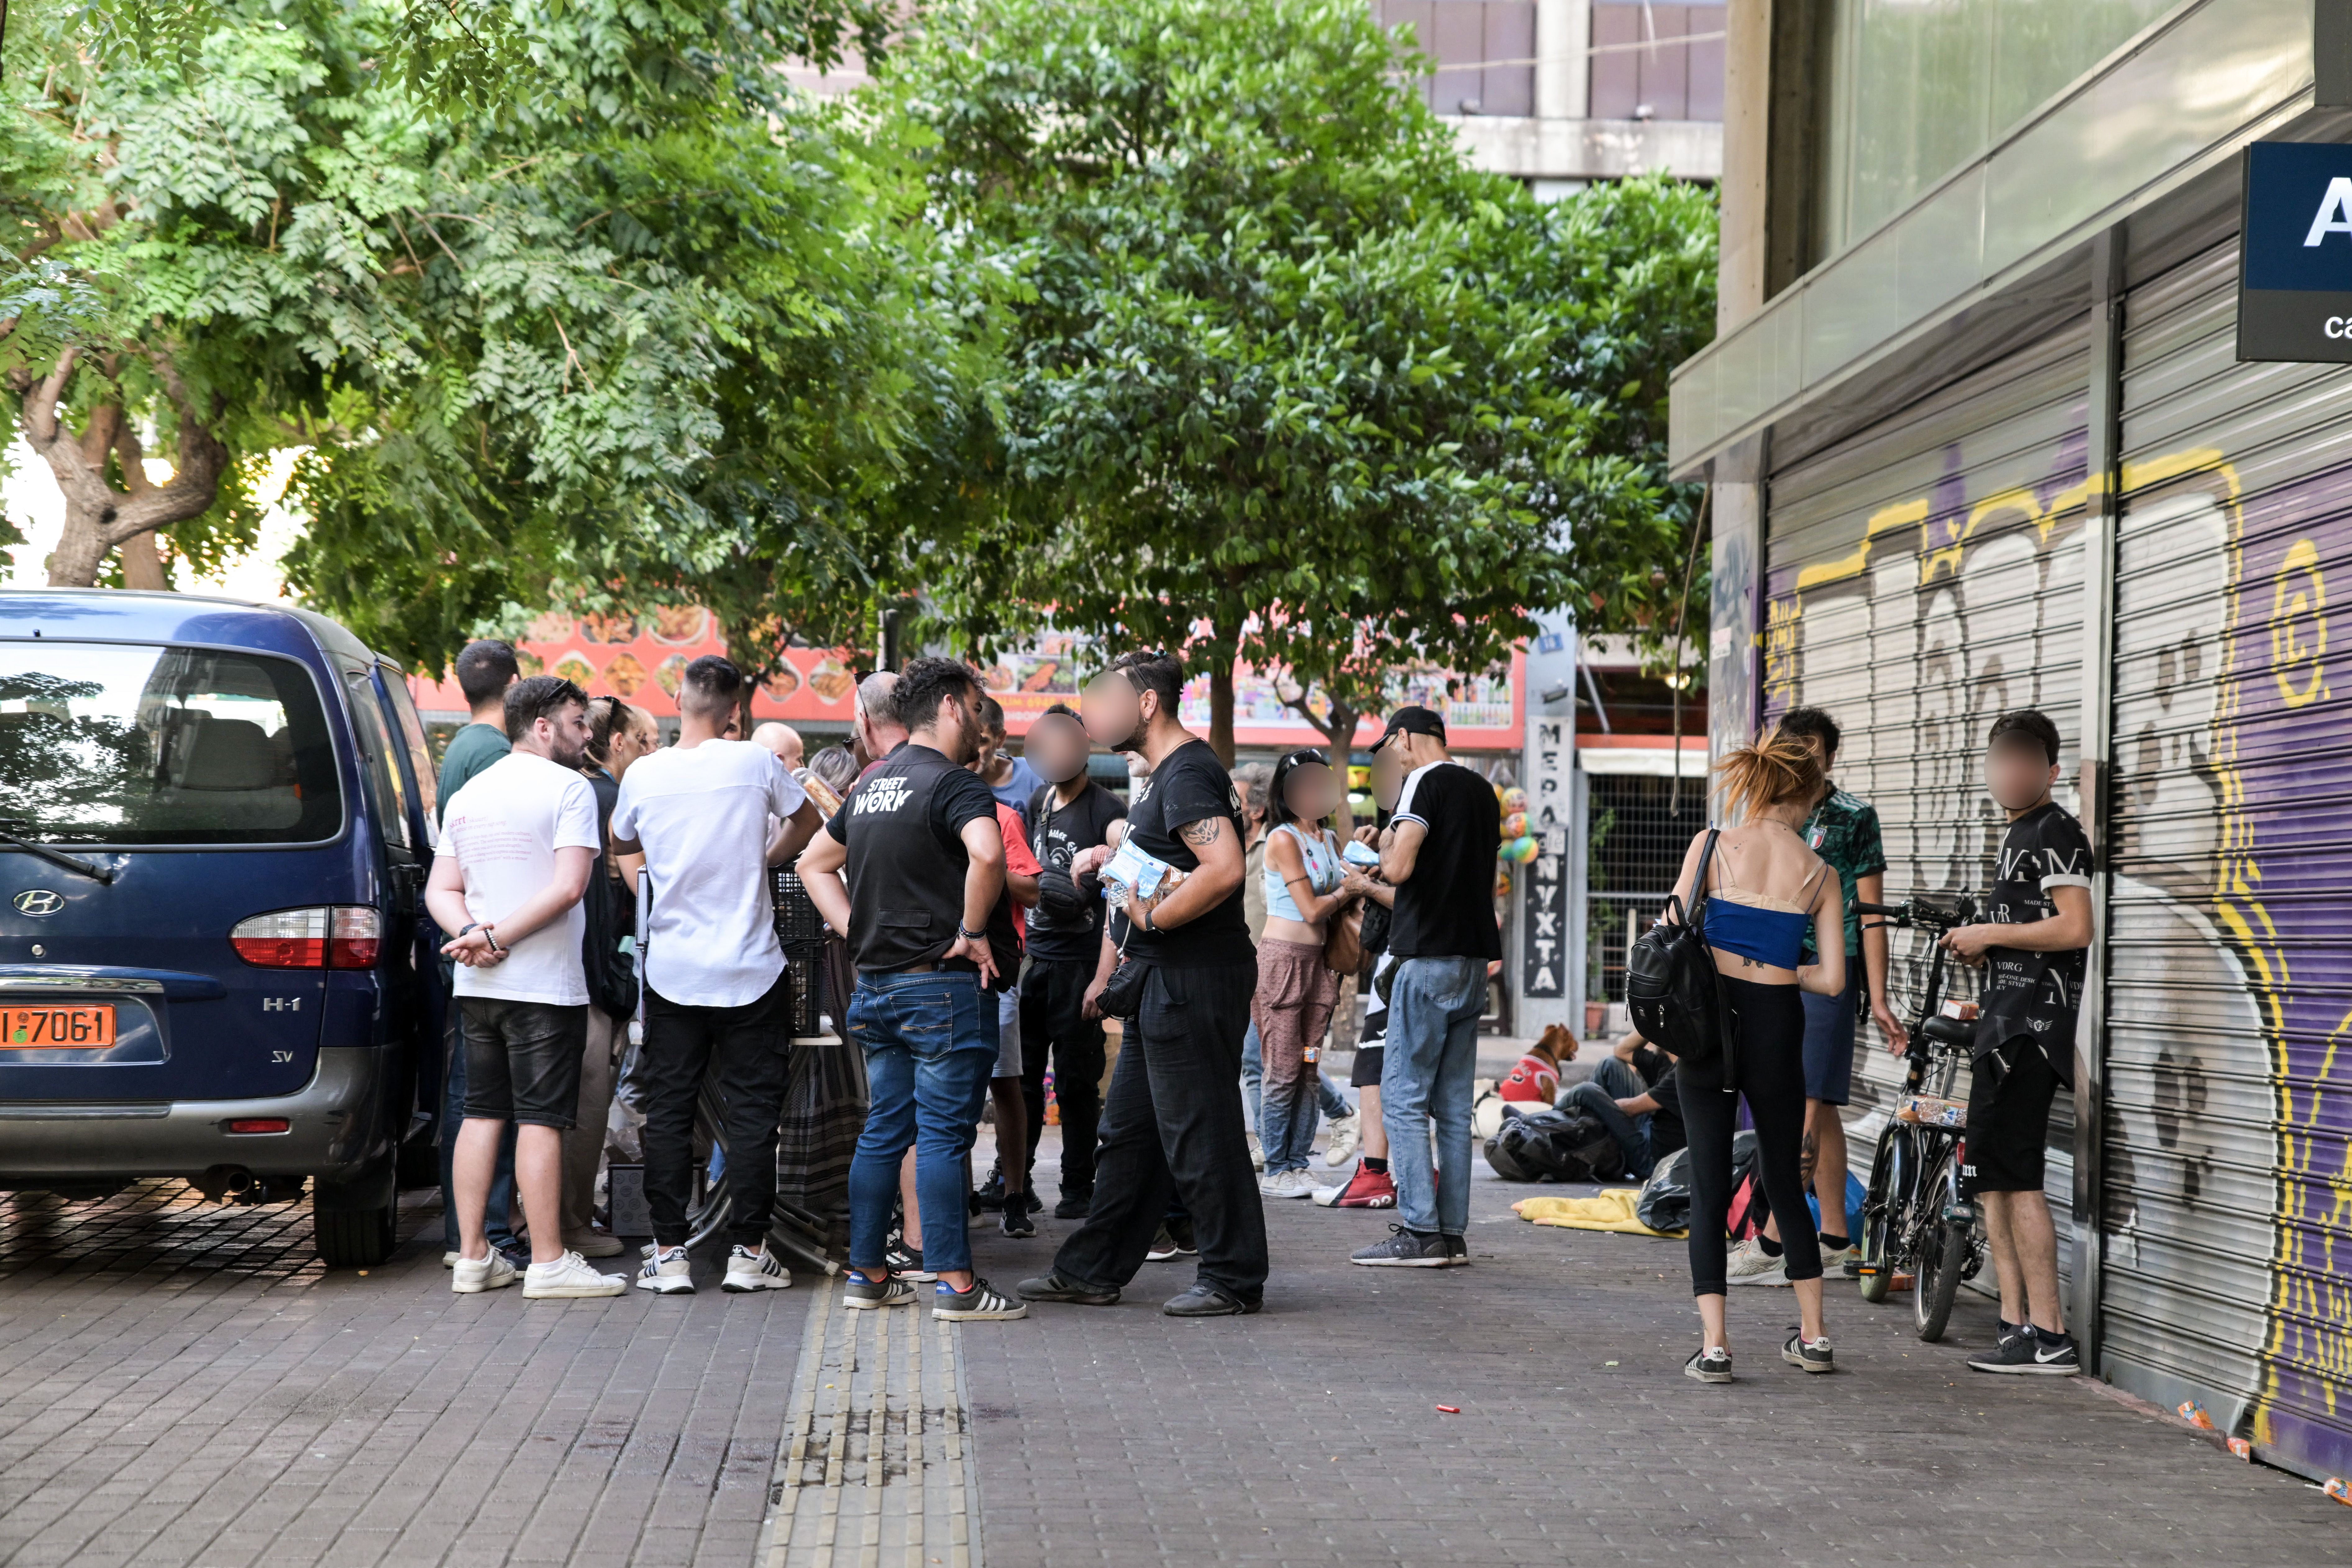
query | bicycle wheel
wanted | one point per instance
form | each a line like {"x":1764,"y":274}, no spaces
{"x":1882,"y":1215}
{"x":1943,"y":1253}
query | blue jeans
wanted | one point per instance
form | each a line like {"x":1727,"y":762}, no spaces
{"x":930,"y":1042}
{"x":1611,"y":1081}
{"x":1425,"y":1076}
{"x":1330,"y":1102}
{"x":498,"y":1215}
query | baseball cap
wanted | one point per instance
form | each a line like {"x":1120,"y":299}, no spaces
{"x":1414,"y":721}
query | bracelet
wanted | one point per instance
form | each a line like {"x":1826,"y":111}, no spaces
{"x":492,"y":938}
{"x":963,"y":935}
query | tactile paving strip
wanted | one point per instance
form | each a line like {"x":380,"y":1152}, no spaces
{"x":876,"y":1466}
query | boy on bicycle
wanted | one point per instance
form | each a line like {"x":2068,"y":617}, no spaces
{"x":2035,"y":948}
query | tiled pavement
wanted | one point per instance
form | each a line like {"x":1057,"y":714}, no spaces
{"x":180,"y":1384}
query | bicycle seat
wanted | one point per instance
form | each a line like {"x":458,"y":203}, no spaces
{"x":1960,"y":1033}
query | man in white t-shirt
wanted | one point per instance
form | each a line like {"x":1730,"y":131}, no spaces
{"x":518,"y":843}
{"x":717,"y":999}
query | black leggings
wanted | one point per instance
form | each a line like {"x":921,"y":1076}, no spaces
{"x":1769,"y":1025}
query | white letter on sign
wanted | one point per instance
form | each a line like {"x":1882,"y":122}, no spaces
{"x":2335,"y":214}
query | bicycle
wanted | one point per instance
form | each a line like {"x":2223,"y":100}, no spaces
{"x":1913,"y":1217}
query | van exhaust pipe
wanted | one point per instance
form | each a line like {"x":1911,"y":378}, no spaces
{"x":220,"y":1182}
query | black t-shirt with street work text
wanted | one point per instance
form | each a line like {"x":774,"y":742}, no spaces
{"x":2035,"y":996}
{"x":1446,"y":908}
{"x":1067,"y":924}
{"x":903,"y":826}
{"x":1188,"y":785}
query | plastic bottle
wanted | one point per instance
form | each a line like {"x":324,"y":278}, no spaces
{"x":2337,"y":1488}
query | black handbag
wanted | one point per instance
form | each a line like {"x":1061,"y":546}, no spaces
{"x":1122,"y":994}
{"x":1672,"y":987}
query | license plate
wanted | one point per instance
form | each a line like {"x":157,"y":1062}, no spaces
{"x":55,"y":1026}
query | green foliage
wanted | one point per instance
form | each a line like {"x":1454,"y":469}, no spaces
{"x":1279,"y":364}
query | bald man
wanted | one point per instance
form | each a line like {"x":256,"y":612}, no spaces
{"x":783,"y":740}
{"x":877,"y":734}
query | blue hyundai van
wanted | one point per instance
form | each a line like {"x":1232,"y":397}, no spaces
{"x":215,"y":964}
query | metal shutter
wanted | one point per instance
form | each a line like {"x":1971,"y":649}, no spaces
{"x":1922,"y":577}
{"x":2229,"y":1275}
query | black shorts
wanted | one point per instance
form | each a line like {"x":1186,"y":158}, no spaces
{"x":2009,"y":1122}
{"x":522,"y":1060}
{"x":1365,"y":1072}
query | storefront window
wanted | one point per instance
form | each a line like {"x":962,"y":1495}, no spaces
{"x":1918,"y":88}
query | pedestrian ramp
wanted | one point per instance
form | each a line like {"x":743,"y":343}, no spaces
{"x":876,"y":1467}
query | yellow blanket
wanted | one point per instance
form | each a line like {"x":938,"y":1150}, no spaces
{"x":1613,"y":1210}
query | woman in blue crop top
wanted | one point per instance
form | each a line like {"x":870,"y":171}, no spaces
{"x":1764,"y":888}
{"x":1306,"y":885}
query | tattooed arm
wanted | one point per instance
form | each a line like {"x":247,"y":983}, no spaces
{"x":1219,"y":850}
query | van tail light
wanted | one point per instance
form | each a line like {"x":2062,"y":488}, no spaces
{"x":340,"y":936}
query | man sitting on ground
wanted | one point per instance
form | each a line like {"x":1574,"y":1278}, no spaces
{"x":1634,"y":1095}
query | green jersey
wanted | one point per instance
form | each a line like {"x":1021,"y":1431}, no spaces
{"x":1844,"y":831}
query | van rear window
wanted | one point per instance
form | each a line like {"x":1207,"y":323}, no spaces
{"x":119,"y":743}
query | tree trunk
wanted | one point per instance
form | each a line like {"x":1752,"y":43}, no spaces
{"x":142,"y":564}
{"x":1340,"y":736}
{"x":1220,"y":709}
{"x":99,"y":517}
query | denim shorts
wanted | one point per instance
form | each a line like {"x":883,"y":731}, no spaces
{"x":522,"y":1060}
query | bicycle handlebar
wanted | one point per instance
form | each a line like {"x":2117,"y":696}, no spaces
{"x":1940,"y":915}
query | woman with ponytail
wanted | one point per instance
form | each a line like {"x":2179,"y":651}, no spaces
{"x":1764,"y":888}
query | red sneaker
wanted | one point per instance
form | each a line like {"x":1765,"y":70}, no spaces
{"x":1364,"y":1190}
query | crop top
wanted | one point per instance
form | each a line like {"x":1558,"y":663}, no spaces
{"x":1757,"y":925}
{"x":1324,"y":873}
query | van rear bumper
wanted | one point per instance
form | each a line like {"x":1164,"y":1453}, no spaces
{"x":333,"y":1132}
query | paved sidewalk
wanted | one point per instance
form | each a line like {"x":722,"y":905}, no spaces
{"x":186,"y":1384}
{"x":1310,"y":1435}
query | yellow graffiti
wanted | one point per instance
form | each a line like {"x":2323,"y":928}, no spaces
{"x":2307,"y":601}
{"x":1903,"y":514}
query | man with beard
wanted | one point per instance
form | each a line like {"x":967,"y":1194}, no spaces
{"x":518,"y":842}
{"x":1172,"y":1123}
{"x":1070,"y":818}
{"x":925,"y":860}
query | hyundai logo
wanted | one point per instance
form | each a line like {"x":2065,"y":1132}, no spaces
{"x":39,"y":902}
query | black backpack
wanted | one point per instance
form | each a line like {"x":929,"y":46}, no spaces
{"x":1568,"y":1144}
{"x":1672,"y":987}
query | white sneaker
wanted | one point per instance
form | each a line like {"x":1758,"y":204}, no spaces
{"x":472,"y":1276}
{"x":1325,"y":1197}
{"x":1747,"y":1264}
{"x":1257,"y":1153}
{"x":1288,"y":1184}
{"x":669,"y":1273}
{"x":1346,"y":1133}
{"x":593,"y":1243}
{"x":750,"y":1271}
{"x":1844,"y":1263}
{"x":449,"y":1259}
{"x":568,"y":1278}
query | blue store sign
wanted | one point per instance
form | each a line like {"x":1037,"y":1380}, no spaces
{"x":2294,"y":256}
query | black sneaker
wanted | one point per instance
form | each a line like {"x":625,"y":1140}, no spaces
{"x":1208,"y":1301}
{"x":2026,"y":1354}
{"x":1074,"y":1205}
{"x":1054,"y":1287}
{"x":990,"y":1195}
{"x":982,"y":1303}
{"x":1405,"y":1249}
{"x":1458,"y":1252}
{"x":1710,"y":1364}
{"x":862,"y":1292}
{"x":1813,"y":1356}
{"x":905,"y":1263}
{"x":1018,"y":1223}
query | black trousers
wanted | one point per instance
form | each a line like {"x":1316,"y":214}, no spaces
{"x":747,"y":1053}
{"x":1172,"y":1129}
{"x":1052,"y":1016}
{"x":1771,"y":1076}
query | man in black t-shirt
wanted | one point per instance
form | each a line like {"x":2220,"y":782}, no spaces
{"x":1070,"y":816}
{"x":1438,"y":852}
{"x":1631,"y":1092}
{"x":1172,"y":1125}
{"x":2033,"y":948}
{"x":919,"y":840}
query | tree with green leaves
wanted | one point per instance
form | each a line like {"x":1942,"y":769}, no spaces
{"x":1287,"y":382}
